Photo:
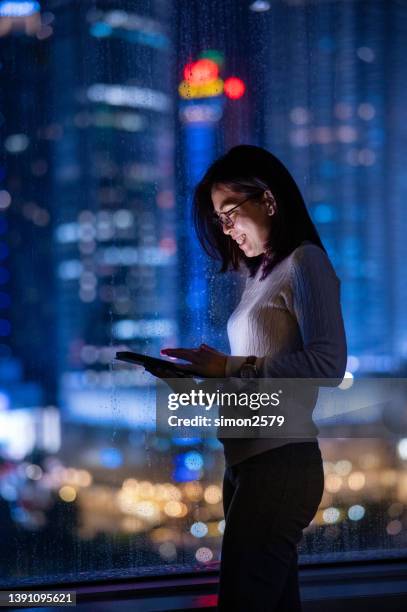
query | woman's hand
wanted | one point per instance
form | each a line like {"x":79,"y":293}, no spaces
{"x":205,"y":360}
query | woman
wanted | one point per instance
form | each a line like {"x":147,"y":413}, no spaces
{"x":248,"y":210}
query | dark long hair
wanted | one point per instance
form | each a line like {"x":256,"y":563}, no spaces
{"x":251,"y":170}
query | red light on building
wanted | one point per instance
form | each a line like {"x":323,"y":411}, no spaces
{"x":234,"y":88}
{"x":188,"y":71}
{"x":200,"y":72}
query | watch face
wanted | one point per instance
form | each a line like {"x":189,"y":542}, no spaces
{"x":248,"y":371}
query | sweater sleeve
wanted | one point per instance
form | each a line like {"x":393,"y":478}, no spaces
{"x":314,"y":301}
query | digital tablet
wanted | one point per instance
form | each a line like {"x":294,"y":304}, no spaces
{"x":147,"y":360}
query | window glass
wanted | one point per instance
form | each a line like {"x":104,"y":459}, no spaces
{"x":110,"y":112}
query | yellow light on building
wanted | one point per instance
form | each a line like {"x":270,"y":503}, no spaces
{"x":84,"y":478}
{"x":175,"y":509}
{"x":213,"y":529}
{"x":213,"y":494}
{"x":126,"y":500}
{"x":333,"y":483}
{"x":189,"y":91}
{"x":160,"y":492}
{"x":356,"y":481}
{"x":147,"y":510}
{"x":130,"y":482}
{"x":132,"y":524}
{"x":193,"y":490}
{"x":67,"y":493}
{"x":172,"y":491}
{"x":146,"y":489}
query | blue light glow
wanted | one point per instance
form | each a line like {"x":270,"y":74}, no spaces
{"x":260,"y":6}
{"x":356,"y":512}
{"x":182,"y":474}
{"x":193,"y":460}
{"x":111,"y":458}
{"x":188,"y":466}
{"x":186,"y":441}
{"x":127,"y":328}
{"x":18,"y":8}
{"x":199,"y":529}
{"x":101,"y":30}
{"x":324,"y":213}
{"x":155,"y":40}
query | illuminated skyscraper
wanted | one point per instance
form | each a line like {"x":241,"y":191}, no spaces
{"x":113,"y":193}
{"x":336,"y":122}
{"x":207,"y":97}
{"x":27,"y":373}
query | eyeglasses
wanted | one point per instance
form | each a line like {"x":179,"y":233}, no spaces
{"x":223,"y":219}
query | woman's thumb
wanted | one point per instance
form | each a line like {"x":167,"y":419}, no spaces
{"x":209,"y":348}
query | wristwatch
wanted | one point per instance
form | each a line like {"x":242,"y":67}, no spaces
{"x":249,"y":368}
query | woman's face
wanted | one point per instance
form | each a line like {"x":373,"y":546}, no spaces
{"x":251,"y":221}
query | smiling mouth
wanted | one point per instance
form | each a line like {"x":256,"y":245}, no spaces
{"x":241,"y":239}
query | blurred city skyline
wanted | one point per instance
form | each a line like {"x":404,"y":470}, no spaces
{"x":110,"y":112}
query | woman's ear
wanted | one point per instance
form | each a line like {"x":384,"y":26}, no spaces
{"x":270,"y":202}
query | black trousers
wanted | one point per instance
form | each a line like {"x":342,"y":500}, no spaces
{"x":268,"y":500}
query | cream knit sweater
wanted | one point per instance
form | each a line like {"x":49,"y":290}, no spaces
{"x":292,"y":322}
